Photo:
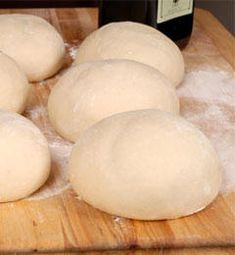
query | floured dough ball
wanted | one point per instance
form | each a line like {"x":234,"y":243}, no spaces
{"x":92,"y":91}
{"x":130,"y":40}
{"x":14,"y":86}
{"x":146,"y":165}
{"x":33,"y":43}
{"x":25,"y":157}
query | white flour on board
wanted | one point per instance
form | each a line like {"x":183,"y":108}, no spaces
{"x":209,"y":103}
{"x":72,"y":49}
{"x":60,"y":150}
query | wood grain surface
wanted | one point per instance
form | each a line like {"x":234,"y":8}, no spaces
{"x":64,"y":224}
{"x":160,"y":251}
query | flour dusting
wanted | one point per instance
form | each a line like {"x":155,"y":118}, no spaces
{"x":207,"y":97}
{"x":116,"y":219}
{"x":60,"y":150}
{"x":210,"y":84}
{"x":72,"y":49}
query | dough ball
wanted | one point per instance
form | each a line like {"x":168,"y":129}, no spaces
{"x":146,"y":165}
{"x":93,"y":91}
{"x":135,"y":41}
{"x":33,"y":43}
{"x":25,"y":157}
{"x":14,"y":86}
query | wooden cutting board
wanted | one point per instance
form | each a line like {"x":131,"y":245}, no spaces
{"x":64,"y":223}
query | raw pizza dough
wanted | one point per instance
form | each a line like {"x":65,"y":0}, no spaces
{"x":25,"y":157}
{"x":33,"y":43}
{"x":146,"y":165}
{"x":92,"y":91}
{"x":130,"y":40}
{"x":14,"y":86}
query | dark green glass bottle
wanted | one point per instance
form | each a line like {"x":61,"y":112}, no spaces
{"x":172,"y":17}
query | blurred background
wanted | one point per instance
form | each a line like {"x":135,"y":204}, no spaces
{"x":224,"y":10}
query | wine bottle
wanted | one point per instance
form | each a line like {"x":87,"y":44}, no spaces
{"x":119,"y":10}
{"x":175,"y":19}
{"x":172,"y":17}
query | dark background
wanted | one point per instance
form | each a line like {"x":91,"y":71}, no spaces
{"x":224,"y":10}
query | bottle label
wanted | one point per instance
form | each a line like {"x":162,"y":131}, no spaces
{"x":170,"y":9}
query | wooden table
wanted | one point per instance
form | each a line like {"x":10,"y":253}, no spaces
{"x":63,"y":223}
